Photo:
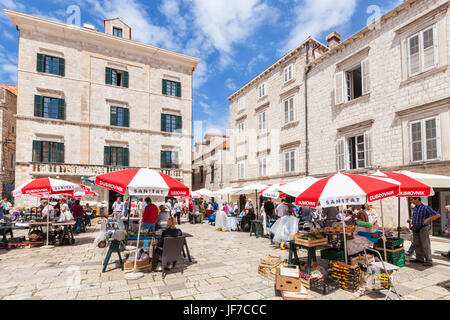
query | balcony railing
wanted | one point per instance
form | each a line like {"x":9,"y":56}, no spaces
{"x":87,"y":170}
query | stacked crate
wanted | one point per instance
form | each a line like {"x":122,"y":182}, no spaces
{"x":394,"y":251}
{"x":349,"y":277}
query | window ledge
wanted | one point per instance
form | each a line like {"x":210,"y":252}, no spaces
{"x":424,"y":162}
{"x":363,"y":98}
{"x":289,"y":82}
{"x":263,"y":98}
{"x":50,"y":74}
{"x":290,"y":125}
{"x":169,"y":96}
{"x":262,"y":135}
{"x":423,"y":75}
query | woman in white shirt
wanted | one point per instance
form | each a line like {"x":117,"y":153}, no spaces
{"x":373,"y":216}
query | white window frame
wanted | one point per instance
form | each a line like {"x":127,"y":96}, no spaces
{"x":262,"y":166}
{"x":241,"y":131}
{"x":294,"y":115}
{"x":423,"y":139}
{"x":240,"y":104}
{"x":343,"y":156}
{"x":290,"y":152}
{"x":366,"y":81}
{"x":421,"y":50}
{"x":241,"y":169}
{"x":288,"y":73}
{"x":262,"y":122}
{"x":262,"y":90}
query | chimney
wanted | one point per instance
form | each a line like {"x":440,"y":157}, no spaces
{"x":333,"y":39}
{"x":88,"y":26}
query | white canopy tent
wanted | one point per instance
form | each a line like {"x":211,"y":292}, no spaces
{"x":250,"y":189}
{"x":204,"y":192}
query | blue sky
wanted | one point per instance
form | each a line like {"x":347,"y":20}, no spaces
{"x":235,"y":39}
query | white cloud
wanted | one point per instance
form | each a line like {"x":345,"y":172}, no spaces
{"x":313,"y":17}
{"x":229,"y":83}
{"x":259,"y":58}
{"x":228,"y":22}
{"x":135,"y":15}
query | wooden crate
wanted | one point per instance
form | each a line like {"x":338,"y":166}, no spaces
{"x":267,"y":272}
{"x":140,"y":266}
{"x":311,"y":243}
{"x":288,"y":295}
{"x":305,"y":283}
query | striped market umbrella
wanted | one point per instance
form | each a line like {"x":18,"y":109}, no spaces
{"x":142,"y":182}
{"x":343,"y":189}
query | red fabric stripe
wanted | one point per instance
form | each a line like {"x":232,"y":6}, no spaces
{"x":310,"y":197}
{"x":409,"y":187}
{"x":374,"y":188}
{"x":176,"y":188}
{"x":116,"y":181}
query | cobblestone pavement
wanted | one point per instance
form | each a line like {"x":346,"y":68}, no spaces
{"x":224,"y":266}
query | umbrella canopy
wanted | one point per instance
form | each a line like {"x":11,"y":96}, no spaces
{"x":228,"y":190}
{"x":346,"y":189}
{"x":203,"y":192}
{"x":295,"y":188}
{"x":250,"y":188}
{"x":271,"y":192}
{"x":142,"y":182}
{"x":409,"y":187}
{"x":432,"y":180}
{"x":45,"y":187}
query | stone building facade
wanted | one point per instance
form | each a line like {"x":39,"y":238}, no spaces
{"x":92,"y":102}
{"x":210,"y":162}
{"x":378,"y":100}
{"x":8,"y":105}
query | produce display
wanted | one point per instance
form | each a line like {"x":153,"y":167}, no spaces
{"x":311,"y":236}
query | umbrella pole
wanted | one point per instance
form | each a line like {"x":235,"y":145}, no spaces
{"x":257,"y":204}
{"x":136,"y":275}
{"x":384,"y":235}
{"x":345,"y":239}
{"x":399,"y":227}
{"x":48,"y":214}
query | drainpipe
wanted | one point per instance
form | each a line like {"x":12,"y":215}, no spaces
{"x":305,"y":81}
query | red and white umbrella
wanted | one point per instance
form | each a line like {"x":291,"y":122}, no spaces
{"x":45,"y":187}
{"x":409,"y":187}
{"x":346,"y":189}
{"x":142,"y":182}
{"x":272,"y":192}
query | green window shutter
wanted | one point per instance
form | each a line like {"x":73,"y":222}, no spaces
{"x":62,"y":67}
{"x":178,"y":123}
{"x":163,"y":122}
{"x":113,"y":116}
{"x":38,"y":106}
{"x":164,"y":86}
{"x":126,"y":117}
{"x":126,"y":157}
{"x":62,"y":109}
{"x":60,"y":152}
{"x":37,"y":151}
{"x":108,"y":75}
{"x":40,"y":62}
{"x":125,"y":76}
{"x":107,"y":156}
{"x":162,"y":159}
{"x":178,"y":89}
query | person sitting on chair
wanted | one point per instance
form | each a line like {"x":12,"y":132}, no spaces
{"x":246,"y":220}
{"x":171,"y":232}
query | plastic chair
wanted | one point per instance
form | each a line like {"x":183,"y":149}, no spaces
{"x":172,"y":253}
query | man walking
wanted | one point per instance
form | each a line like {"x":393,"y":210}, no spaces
{"x":79,"y":214}
{"x":117,"y":208}
{"x":422,"y":218}
{"x":282,"y":209}
{"x":177,"y":209}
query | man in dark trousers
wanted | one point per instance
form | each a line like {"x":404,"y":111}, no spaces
{"x":268,"y":208}
{"x":422,"y":218}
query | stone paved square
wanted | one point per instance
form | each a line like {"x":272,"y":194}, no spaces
{"x":224,"y":266}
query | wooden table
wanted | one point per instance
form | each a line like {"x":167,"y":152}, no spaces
{"x":37,"y":225}
{"x":66,"y":233}
{"x":293,"y":247}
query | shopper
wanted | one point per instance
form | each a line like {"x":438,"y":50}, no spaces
{"x":269,"y":208}
{"x":177,"y":209}
{"x":163,"y":216}
{"x":140,"y":207}
{"x":171,"y":232}
{"x":282,"y":209}
{"x":79,"y":214}
{"x":150,"y":215}
{"x":421,"y":220}
{"x":249,"y":204}
{"x":447,"y":230}
{"x":361,"y":214}
{"x":372,"y":214}
{"x":117,"y":208}
{"x":48,"y":210}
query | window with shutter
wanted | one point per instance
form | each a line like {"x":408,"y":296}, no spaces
{"x":422,"y":49}
{"x":368,"y":149}
{"x":164,"y":86}
{"x":365,"y":70}
{"x":289,"y":111}
{"x":163,"y":122}
{"x":340,"y":154}
{"x":113,"y":116}
{"x":425,"y":139}
{"x":38,"y":106}
{"x":126,"y":157}
{"x":61,"y":109}
{"x":178,"y":89}
{"x":40,"y":62}
{"x":37,"y":151}
{"x":107,"y":156}
{"x":62,"y":67}
{"x":125,"y":80}
{"x":416,"y":141}
{"x":339,"y":88}
{"x":108,"y":75}
{"x":179,"y":124}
